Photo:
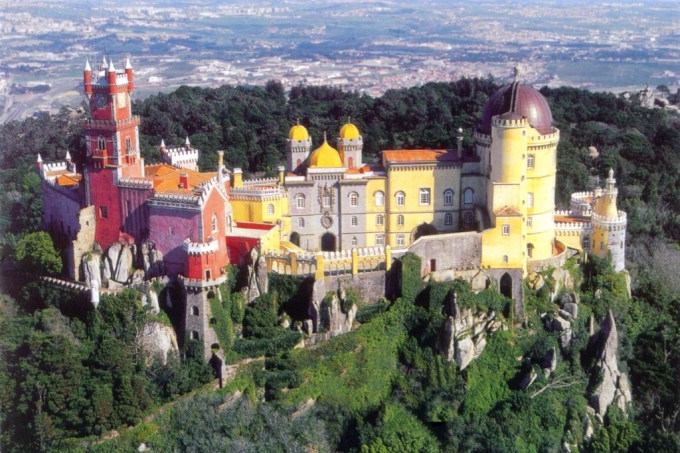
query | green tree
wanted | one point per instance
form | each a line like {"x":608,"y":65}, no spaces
{"x":36,"y":254}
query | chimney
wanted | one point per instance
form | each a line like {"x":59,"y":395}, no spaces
{"x":183,"y":180}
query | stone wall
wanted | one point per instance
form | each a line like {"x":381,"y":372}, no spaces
{"x":370,"y":286}
{"x":448,"y":251}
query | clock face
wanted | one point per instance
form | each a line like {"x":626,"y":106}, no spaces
{"x":99,"y":100}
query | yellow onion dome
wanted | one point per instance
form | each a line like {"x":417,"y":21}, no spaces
{"x":298,"y":132}
{"x":349,"y":131}
{"x":325,"y":156}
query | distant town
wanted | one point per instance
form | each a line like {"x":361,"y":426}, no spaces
{"x":353,"y":45}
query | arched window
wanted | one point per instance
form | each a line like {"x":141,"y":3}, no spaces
{"x":101,"y":142}
{"x":467,"y":195}
{"x":379,"y":197}
{"x":213,"y":222}
{"x":355,"y":221}
{"x":400,"y":220}
{"x":586,"y":243}
{"x":424,"y":196}
{"x":350,"y":162}
{"x":448,"y":219}
{"x":355,"y":241}
{"x":194,"y":310}
{"x":448,"y":197}
{"x":531,"y":161}
{"x":270,"y":209}
{"x":301,"y":222}
{"x":297,"y":164}
{"x":354,"y":199}
{"x":128,"y":145}
{"x":300,"y":201}
{"x":379,"y":239}
{"x":379,"y":220}
{"x":400,"y":239}
{"x":468,"y":218}
{"x":530,"y":199}
{"x":400,"y":198}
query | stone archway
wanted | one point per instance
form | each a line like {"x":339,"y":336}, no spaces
{"x":295,"y":238}
{"x":506,"y":285}
{"x":328,"y":242}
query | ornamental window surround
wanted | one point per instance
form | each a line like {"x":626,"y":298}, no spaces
{"x":448,"y":197}
{"x":531,"y":160}
{"x":400,"y":239}
{"x":379,"y":239}
{"x":354,"y":199}
{"x":300,"y":201}
{"x":448,"y":219}
{"x":270,"y":209}
{"x":379,"y":198}
{"x":400,"y":198}
{"x":355,"y":221}
{"x":468,"y":195}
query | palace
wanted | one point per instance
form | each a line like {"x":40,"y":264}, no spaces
{"x":486,"y":213}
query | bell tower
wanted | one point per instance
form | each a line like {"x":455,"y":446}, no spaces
{"x":112,"y":145}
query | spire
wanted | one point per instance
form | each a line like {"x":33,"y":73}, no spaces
{"x":187,"y":143}
{"x":517,"y":73}
{"x":162,"y":145}
{"x":39,"y":160}
{"x":324,"y":136}
{"x":87,"y":65}
{"x":105,"y":64}
{"x":111,"y":67}
{"x":127,"y":63}
{"x":68,"y":156}
{"x":349,"y":119}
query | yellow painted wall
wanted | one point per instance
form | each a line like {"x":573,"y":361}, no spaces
{"x":410,"y":182}
{"x":495,"y":245}
{"x":271,"y":240}
{"x":374,"y":185}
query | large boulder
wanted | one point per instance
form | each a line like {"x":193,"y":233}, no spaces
{"x":91,"y":266}
{"x":330,"y":311}
{"x":119,"y":263}
{"x":258,"y":280}
{"x":157,"y":341}
{"x":613,"y":385}
{"x":151,"y":259}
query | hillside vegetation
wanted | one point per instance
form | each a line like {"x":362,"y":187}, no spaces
{"x":70,"y":374}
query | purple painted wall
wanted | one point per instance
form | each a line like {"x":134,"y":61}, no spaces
{"x":168,"y":228}
{"x":60,"y":209}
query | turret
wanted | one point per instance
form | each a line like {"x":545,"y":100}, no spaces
{"x":237,"y":178}
{"x":87,"y":78}
{"x":281,"y":173}
{"x":609,"y":225}
{"x":220,"y":167}
{"x":162,"y":147}
{"x":350,"y":145}
{"x":459,"y":140}
{"x":298,"y":145}
{"x":111,"y":75}
{"x":128,"y":72}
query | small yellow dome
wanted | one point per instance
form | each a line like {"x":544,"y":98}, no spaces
{"x":298,"y":132}
{"x":325,"y":156}
{"x":349,"y":131}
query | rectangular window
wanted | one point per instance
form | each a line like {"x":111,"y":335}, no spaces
{"x":505,"y":230}
{"x":355,"y":221}
{"x":530,"y":161}
{"x":424,"y":196}
{"x":400,"y":239}
{"x":326,"y":201}
{"x":530,"y":221}
{"x":103,"y":212}
{"x":379,"y":220}
{"x":448,"y":219}
{"x":128,"y":208}
{"x":505,"y":258}
{"x":379,"y":239}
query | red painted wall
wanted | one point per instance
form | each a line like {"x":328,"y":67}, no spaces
{"x":104,"y":193}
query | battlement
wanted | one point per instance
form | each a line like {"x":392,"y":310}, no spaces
{"x":261,"y":182}
{"x":56,"y":166}
{"x":136,"y":183}
{"x":572,"y":226}
{"x":255,"y":192}
{"x":184,"y":157}
{"x":200,"y":248}
{"x":509,"y":122}
{"x":111,"y":125}
{"x":175,"y":200}
{"x":621,"y":219}
{"x":545,"y":139}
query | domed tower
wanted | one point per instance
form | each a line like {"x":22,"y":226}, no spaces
{"x":609,"y":225}
{"x":517,"y":146}
{"x":325,"y":156}
{"x":350,"y":145}
{"x":298,"y":146}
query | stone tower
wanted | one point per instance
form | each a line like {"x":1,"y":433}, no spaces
{"x":609,"y":225}
{"x":350,"y":146}
{"x":298,"y":146}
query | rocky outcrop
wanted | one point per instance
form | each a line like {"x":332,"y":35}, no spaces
{"x":157,"y":341}
{"x":330,"y":311}
{"x":463,"y":337}
{"x":90,"y":265}
{"x":613,"y":386}
{"x":565,"y":315}
{"x":258,"y":281}
{"x":151,"y":259}
{"x":549,"y":362}
{"x":150,"y":300}
{"x":118,"y":264}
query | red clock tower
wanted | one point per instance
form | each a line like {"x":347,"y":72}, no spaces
{"x":112,"y":145}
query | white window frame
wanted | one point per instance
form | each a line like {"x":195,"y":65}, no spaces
{"x":379,"y":239}
{"x":300,"y":201}
{"x":448,"y":218}
{"x":301,"y":222}
{"x":354,"y":199}
{"x":379,"y":198}
{"x":505,"y":229}
{"x":400,"y":220}
{"x":380,"y":220}
{"x":270,"y":209}
{"x":424,"y":197}
{"x":530,"y":199}
{"x":468,"y":196}
{"x":531,"y":161}
{"x":354,"y":221}
{"x":400,"y":239}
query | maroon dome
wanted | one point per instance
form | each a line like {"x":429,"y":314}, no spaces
{"x":518,"y":99}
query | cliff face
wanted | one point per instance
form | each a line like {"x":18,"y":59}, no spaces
{"x":157,"y":341}
{"x":463,"y":336}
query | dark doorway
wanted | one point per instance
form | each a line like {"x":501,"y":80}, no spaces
{"x":433,"y":265}
{"x":328,"y":242}
{"x":506,"y":285}
{"x":295,"y":238}
{"x":530,"y":250}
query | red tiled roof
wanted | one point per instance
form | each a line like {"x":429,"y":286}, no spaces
{"x":166,"y":178}
{"x":507,"y":211}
